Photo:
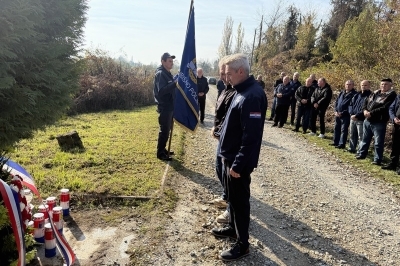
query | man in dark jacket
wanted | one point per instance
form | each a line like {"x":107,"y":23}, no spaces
{"x":320,"y":100}
{"x":277,"y":82}
{"x":376,"y":112}
{"x":394,"y":114}
{"x":164,"y":96}
{"x":221,"y":109}
{"x":357,"y":115}
{"x":282,"y":93}
{"x":303,"y":98}
{"x":202,"y":87}
{"x":294,"y":85}
{"x":220,"y":87}
{"x":241,"y":138}
{"x":342,"y":115}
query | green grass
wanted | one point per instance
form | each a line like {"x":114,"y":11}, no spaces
{"x":119,"y":156}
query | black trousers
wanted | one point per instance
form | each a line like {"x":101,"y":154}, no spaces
{"x":303,"y":117}
{"x":293,"y":104}
{"x":313,"y":120}
{"x":165,"y":122}
{"x":281,"y":114}
{"x":202,"y":106}
{"x":238,"y":194}
{"x":394,"y":155}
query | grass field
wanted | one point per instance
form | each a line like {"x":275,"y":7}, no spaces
{"x":119,"y":156}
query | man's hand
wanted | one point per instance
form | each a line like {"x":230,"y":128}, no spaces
{"x":367,"y":114}
{"x":234,"y":174}
{"x":201,"y":93}
{"x":279,"y":95}
{"x":396,"y":121}
{"x":304,"y":101}
{"x":353,"y":117}
{"x":315,"y":105}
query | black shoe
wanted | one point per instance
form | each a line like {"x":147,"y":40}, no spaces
{"x":280,"y":126}
{"x":292,"y":124}
{"x":389,"y":167}
{"x":295,"y":130}
{"x":274,"y":125}
{"x":339,"y":147}
{"x":304,"y":132}
{"x":376,"y":163}
{"x":224,"y":232}
{"x":332,"y":144}
{"x":398,"y":172}
{"x":351,"y":151}
{"x":359,"y":157}
{"x":164,"y":157}
{"x":270,"y":119}
{"x":236,"y":252}
{"x":202,"y":122}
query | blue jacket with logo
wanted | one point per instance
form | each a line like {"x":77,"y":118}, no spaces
{"x":286,"y":91}
{"x":164,"y":89}
{"x":243,"y":127}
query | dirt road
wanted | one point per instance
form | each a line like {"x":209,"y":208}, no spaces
{"x":307,"y":207}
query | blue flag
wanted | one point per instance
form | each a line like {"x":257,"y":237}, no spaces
{"x":186,"y":109}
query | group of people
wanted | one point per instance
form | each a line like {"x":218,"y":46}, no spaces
{"x":238,"y":126}
{"x":359,"y":115}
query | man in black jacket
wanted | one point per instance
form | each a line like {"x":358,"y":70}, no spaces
{"x":303,"y":98}
{"x":241,"y":138}
{"x":164,"y":96}
{"x":277,"y":82}
{"x":282,"y":94}
{"x":320,"y":100}
{"x":202,"y":87}
{"x":376,"y":112}
{"x":294,"y":85}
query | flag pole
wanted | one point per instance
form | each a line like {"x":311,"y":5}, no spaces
{"x":172,"y":123}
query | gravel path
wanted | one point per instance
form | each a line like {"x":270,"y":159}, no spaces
{"x":307,"y":208}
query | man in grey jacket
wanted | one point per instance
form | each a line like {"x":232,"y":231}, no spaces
{"x":164,"y":96}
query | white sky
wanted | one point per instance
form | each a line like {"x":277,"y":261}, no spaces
{"x":143,"y":30}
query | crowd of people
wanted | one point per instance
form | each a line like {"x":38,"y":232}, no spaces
{"x":360,"y":116}
{"x":239,"y":126}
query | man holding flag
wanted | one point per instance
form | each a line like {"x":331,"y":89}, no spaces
{"x":164,"y":95}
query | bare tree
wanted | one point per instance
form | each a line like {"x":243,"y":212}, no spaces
{"x":225,"y":47}
{"x":239,"y":39}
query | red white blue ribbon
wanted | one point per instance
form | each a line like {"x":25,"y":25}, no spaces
{"x":27,"y":180}
{"x":11,"y":201}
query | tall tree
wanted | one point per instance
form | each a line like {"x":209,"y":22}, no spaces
{"x":225,"y":47}
{"x":39,"y":45}
{"x":239,"y":39}
{"x":306,"y":38}
{"x":289,"y":33}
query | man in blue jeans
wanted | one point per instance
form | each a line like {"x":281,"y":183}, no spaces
{"x":376,"y":112}
{"x":342,"y":115}
{"x":357,"y":115}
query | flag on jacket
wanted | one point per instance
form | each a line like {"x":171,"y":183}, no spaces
{"x":186,"y":109}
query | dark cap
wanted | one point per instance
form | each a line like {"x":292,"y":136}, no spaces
{"x":387,"y":79}
{"x":165,"y":56}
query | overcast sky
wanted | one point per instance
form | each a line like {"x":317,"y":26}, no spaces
{"x":143,"y":30}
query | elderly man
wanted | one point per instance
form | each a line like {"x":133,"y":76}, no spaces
{"x":164,"y":96}
{"x":342,"y":115}
{"x":221,"y":109}
{"x":202,"y":87}
{"x":283,"y":93}
{"x":320,"y":99}
{"x":376,"y":112}
{"x":240,"y":141}
{"x":394,"y":114}
{"x":294,"y":85}
{"x":277,"y":82}
{"x":303,"y":97}
{"x":261,"y":82}
{"x":357,"y":115}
